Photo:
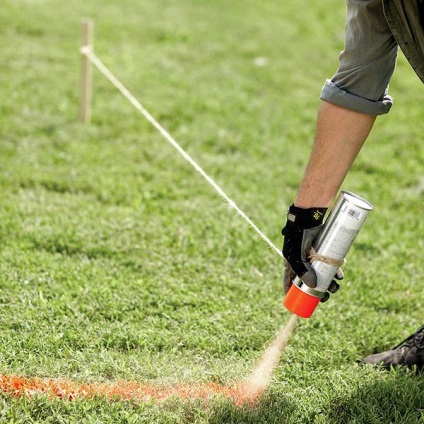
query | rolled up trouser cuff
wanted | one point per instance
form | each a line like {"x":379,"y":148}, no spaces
{"x":335,"y":95}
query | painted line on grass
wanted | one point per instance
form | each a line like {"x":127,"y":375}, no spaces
{"x":247,"y":392}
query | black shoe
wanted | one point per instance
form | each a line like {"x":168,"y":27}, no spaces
{"x":408,"y":353}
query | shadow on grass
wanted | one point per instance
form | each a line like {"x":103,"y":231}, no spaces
{"x":393,"y":397}
{"x":271,"y":409}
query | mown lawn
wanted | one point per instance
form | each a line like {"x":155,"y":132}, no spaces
{"x":118,"y":261}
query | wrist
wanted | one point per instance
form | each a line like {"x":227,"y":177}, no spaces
{"x":304,"y":218}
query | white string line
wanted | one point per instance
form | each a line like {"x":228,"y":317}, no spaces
{"x":86,"y":50}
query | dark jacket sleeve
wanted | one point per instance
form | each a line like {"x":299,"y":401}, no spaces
{"x":406,"y":20}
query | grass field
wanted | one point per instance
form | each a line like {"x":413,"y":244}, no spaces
{"x":118,"y":262}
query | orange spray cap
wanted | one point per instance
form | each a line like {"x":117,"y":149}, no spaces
{"x":299,"y":302}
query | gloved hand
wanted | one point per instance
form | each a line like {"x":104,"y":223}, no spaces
{"x":302,"y":227}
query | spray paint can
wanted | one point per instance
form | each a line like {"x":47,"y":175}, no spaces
{"x":334,"y":240}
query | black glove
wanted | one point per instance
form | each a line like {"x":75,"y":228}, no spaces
{"x":302,"y":227}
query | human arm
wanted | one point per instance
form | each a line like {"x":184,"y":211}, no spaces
{"x":340,"y":135}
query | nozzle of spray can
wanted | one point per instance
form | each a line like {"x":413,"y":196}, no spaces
{"x":334,"y":240}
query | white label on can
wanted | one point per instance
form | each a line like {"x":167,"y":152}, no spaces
{"x":354,"y":213}
{"x":338,"y":240}
{"x":340,"y":243}
{"x":335,"y":248}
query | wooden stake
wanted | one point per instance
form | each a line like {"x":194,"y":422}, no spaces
{"x":86,"y":72}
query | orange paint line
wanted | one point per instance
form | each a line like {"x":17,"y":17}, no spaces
{"x":247,"y":392}
{"x":121,"y":390}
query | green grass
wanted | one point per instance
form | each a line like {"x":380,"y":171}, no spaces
{"x":119,"y":262}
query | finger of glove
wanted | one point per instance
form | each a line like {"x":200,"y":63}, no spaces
{"x":308,"y":237}
{"x":289,"y":274}
{"x":297,"y":244}
{"x":339,"y":274}
{"x":325,"y":298}
{"x":292,"y":249}
{"x":333,"y":287}
{"x":309,"y":277}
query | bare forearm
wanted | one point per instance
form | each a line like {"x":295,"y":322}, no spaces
{"x":340,"y":134}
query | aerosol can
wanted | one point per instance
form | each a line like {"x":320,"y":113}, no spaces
{"x":332,"y":243}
